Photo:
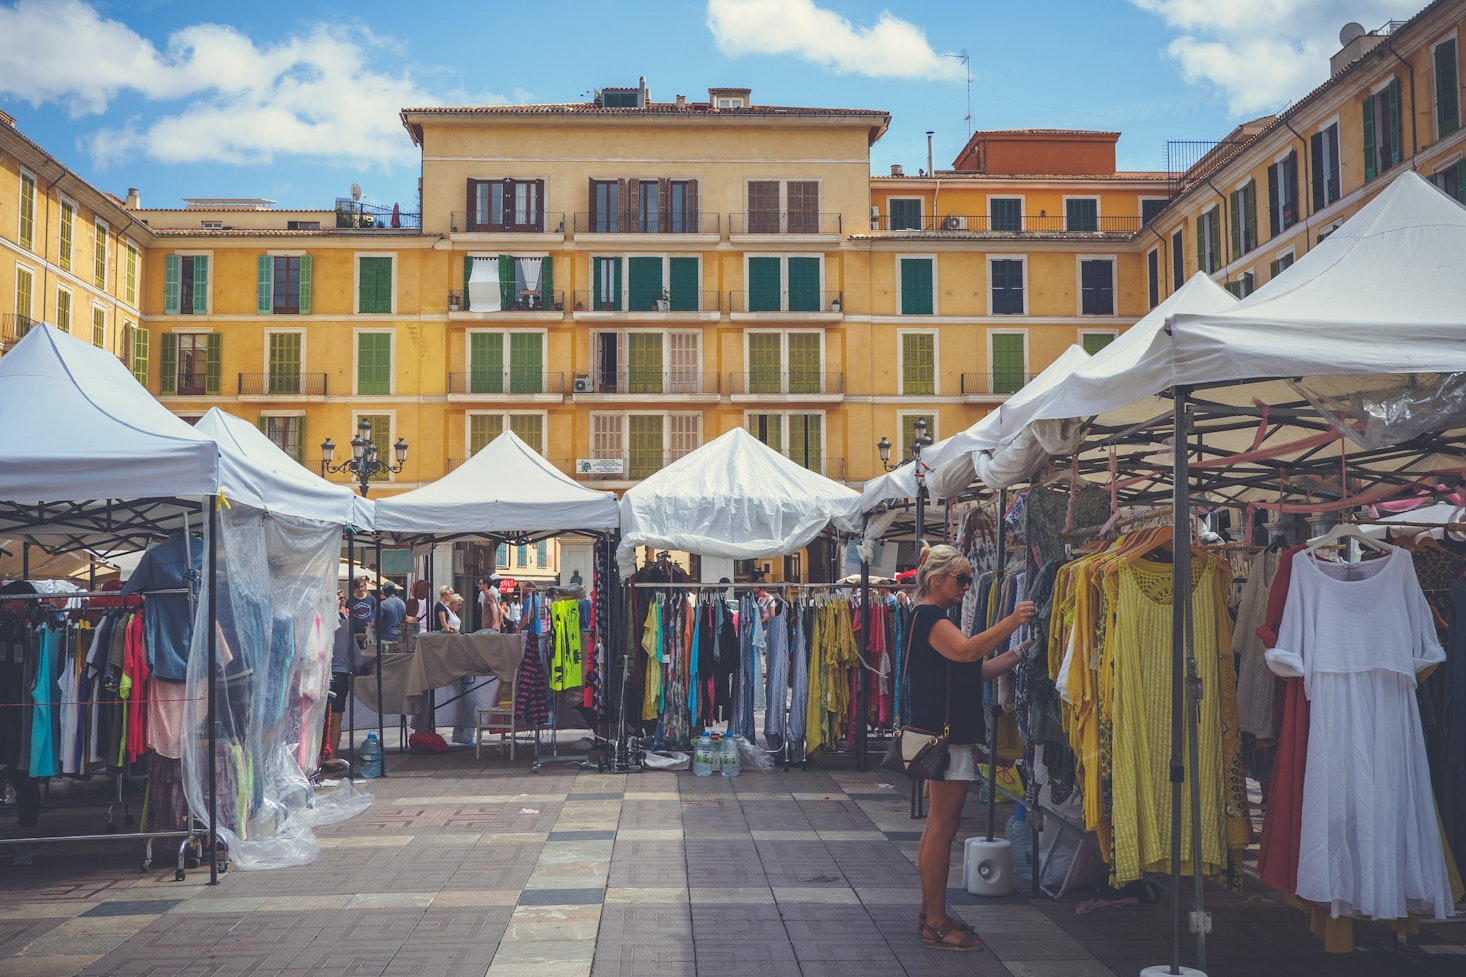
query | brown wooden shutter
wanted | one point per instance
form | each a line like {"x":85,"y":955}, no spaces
{"x":763,"y":206}
{"x":664,"y":205}
{"x":537,"y":207}
{"x":804,"y":207}
{"x":694,"y":223}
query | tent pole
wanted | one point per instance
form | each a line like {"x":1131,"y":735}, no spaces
{"x":212,"y":647}
{"x":1180,"y":603}
{"x":381,"y":730}
{"x":982,"y":625}
{"x":351,"y":663}
{"x":862,"y":731}
{"x":1199,"y":918}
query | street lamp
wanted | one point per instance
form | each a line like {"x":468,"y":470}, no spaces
{"x":363,"y":462}
{"x":919,"y":441}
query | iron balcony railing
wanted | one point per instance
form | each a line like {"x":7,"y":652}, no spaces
{"x":14,"y":325}
{"x":595,"y":222}
{"x":546,"y":222}
{"x":786,"y":383}
{"x":507,"y":382}
{"x":637,"y":465}
{"x":647,"y":382}
{"x":282,"y":385}
{"x":995,"y":382}
{"x":990,"y":224}
{"x":191,"y":385}
{"x":784,"y":222}
{"x":538,"y":301}
{"x":785,"y":300}
{"x":566,"y":465}
{"x":650,"y":299}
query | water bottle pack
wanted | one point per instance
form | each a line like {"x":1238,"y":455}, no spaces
{"x":729,"y":763}
{"x":703,"y":753}
{"x":371,"y":757}
{"x":1017,"y":834}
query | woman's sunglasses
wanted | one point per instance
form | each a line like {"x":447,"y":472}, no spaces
{"x":963,"y":579}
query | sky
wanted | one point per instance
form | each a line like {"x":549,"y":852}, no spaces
{"x":295,"y":102}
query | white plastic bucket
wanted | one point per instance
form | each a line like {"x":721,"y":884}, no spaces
{"x":987,"y":867}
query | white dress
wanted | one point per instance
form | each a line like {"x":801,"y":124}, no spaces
{"x":1358,"y":635}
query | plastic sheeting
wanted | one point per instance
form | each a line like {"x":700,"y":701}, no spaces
{"x":1378,"y":411}
{"x":276,"y":617}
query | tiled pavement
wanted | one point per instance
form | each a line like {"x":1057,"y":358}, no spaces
{"x":481,"y":869}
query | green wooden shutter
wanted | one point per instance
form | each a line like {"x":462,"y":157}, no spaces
{"x":374,"y":364}
{"x":684,"y":285}
{"x":200,"y":284}
{"x":765,"y":285}
{"x":1369,"y":170}
{"x":265,"y":285}
{"x":374,"y":285}
{"x":140,"y":355}
{"x":1234,"y":204}
{"x":305,"y":284}
{"x":284,"y":354}
{"x":645,"y":444}
{"x":606,"y":284}
{"x":769,"y":429}
{"x":1201,"y":264}
{"x":172,"y":283}
{"x":507,"y":295}
{"x":765,"y":362}
{"x":806,"y":441}
{"x":918,"y":363}
{"x":467,"y":274}
{"x":214,"y":364}
{"x":1319,"y":177}
{"x":382,"y":438}
{"x":1447,"y":95}
{"x":908,"y":433}
{"x":1250,"y":239}
{"x":916,"y":286}
{"x":644,"y":277}
{"x":547,"y":282}
{"x":1093,"y":342}
{"x":1396,"y":128}
{"x":168,"y":360}
{"x":483,"y":428}
{"x":1274,"y":203}
{"x":1007,"y":362}
{"x":644,"y":362}
{"x":804,"y":284}
{"x":529,"y":428}
{"x":486,"y":362}
{"x":526,"y":362}
{"x":804,"y":363}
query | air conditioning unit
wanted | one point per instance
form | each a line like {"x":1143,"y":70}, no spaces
{"x":955,"y":222}
{"x":583,"y":384}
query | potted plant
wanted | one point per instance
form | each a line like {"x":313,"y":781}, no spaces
{"x":664,"y":300}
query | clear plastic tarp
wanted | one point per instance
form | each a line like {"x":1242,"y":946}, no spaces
{"x":276,"y":616}
{"x":1380,"y":410}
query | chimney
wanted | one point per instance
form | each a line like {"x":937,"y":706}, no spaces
{"x":682,"y":101}
{"x":896,"y":170}
{"x":641,"y":96}
{"x":132,"y":203}
{"x":929,"y":170}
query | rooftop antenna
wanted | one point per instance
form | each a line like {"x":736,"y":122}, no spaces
{"x":967,"y":65}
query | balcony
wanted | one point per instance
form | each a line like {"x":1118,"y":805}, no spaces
{"x":13,"y":326}
{"x":785,"y":223}
{"x":191,"y":385}
{"x":993,"y":385}
{"x":549,"y":223}
{"x":797,"y":385}
{"x":565,"y":465}
{"x":639,"y":465}
{"x":541,"y":302}
{"x":506,"y":384}
{"x":282,"y":385}
{"x":647,"y":383}
{"x":595,"y":224}
{"x":1055,"y":226}
{"x":803,"y":303}
{"x":649,"y":302}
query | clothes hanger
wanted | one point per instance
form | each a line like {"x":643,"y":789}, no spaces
{"x":1343,"y":532}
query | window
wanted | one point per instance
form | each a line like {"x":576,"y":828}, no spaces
{"x":606,"y":284}
{"x":654,"y":439}
{"x":129,"y":284}
{"x":1097,"y":286}
{"x":1081,"y":214}
{"x":186,"y":284}
{"x":1324,"y":151}
{"x":905,"y":213}
{"x":648,"y":207}
{"x":373,"y":285}
{"x":136,"y":347}
{"x":506,"y":205}
{"x":1209,"y":240}
{"x":918,"y":363}
{"x":542,"y":554}
{"x":1006,"y":275}
{"x":1009,"y":361}
{"x":27,"y":227}
{"x":68,"y":234}
{"x":501,"y":556}
{"x":1243,"y":204}
{"x":99,"y":327}
{"x":498,"y":283}
{"x":766,"y":278}
{"x":25,"y":281}
{"x":211,"y":225}
{"x":1150,"y":206}
{"x":374,"y":364}
{"x":191,"y":363}
{"x":1447,"y":89}
{"x":381,"y":438}
{"x":484,"y":428}
{"x":680,"y":216}
{"x":287,"y":432}
{"x":908,"y":430}
{"x":798,"y":437}
{"x":1282,"y":194}
{"x":916,"y":285}
{"x":1178,"y":259}
{"x":605,"y":206}
{"x":99,"y":255}
{"x":785,"y":362}
{"x":1452,"y":180}
{"x":783,"y":206}
{"x":1382,"y":134}
{"x":1093,"y":342}
{"x":1280,"y":264}
{"x":1243,"y":286}
{"x":63,"y":310}
{"x":1005,"y":213}
{"x":302,"y":225}
{"x":284,"y":362}
{"x":648,"y":362}
{"x":490,"y":373}
{"x":521,"y":556}
{"x":284,"y":285}
{"x":1153,"y":277}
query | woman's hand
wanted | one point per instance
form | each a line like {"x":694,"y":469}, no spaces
{"x":1022,"y":614}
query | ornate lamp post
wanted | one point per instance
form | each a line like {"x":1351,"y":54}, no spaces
{"x":918,"y":443}
{"x":363,"y":463}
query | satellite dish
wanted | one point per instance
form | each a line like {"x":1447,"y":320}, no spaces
{"x":356,"y":189}
{"x":1350,"y":32}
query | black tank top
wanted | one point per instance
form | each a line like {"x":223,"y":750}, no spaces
{"x":928,"y":675}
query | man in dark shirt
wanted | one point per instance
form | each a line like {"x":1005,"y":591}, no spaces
{"x":362,"y":608}
{"x":390,"y":617}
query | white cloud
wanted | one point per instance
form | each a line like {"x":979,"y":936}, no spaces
{"x":893,"y":48}
{"x":1262,"y":53}
{"x":314,"y":94}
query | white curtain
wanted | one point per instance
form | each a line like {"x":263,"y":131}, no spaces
{"x":484,"y":294}
{"x":530,"y":268}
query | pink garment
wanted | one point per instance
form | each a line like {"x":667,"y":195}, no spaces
{"x":165,"y":717}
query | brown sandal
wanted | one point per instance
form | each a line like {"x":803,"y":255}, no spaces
{"x":935,"y":938}
{"x":952,"y":921}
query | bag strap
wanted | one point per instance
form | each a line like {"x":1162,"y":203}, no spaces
{"x":906,"y":664}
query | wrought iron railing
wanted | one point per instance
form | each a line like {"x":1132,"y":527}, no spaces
{"x":468,"y":222}
{"x":646,"y":382}
{"x":595,"y":222}
{"x":636,"y":299}
{"x":14,"y":325}
{"x":995,"y":382}
{"x":540,"y":301}
{"x":282,"y":384}
{"x":990,"y":224}
{"x":507,"y":382}
{"x":791,"y":383}
{"x":785,"y":300}
{"x":785,"y":222}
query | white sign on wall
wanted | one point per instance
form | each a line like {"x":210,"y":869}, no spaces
{"x":599,"y":466}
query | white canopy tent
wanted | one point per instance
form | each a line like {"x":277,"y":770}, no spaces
{"x":733,"y":497}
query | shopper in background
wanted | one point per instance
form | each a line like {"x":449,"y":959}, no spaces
{"x":513,"y":612}
{"x":390,"y":617}
{"x":362,"y":608}
{"x":345,"y":658}
{"x":490,"y":611}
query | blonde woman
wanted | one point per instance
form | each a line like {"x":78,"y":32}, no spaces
{"x":944,"y":668}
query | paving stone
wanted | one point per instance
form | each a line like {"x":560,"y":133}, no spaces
{"x":647,"y":958}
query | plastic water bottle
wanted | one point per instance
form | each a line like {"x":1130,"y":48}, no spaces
{"x":728,"y":760}
{"x":371,"y":757}
{"x":1017,"y":835}
{"x":702,"y":755}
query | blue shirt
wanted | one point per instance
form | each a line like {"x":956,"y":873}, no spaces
{"x":166,"y":619}
{"x":390,"y":617}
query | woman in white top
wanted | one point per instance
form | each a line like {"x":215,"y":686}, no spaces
{"x":454,"y":623}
